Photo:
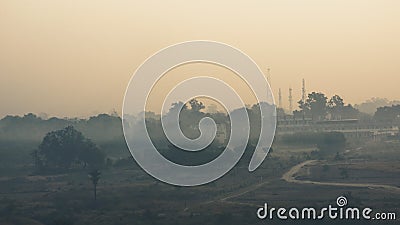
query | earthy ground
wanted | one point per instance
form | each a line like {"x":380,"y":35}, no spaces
{"x":126,"y":195}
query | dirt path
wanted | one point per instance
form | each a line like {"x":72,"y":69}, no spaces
{"x":290,"y":177}
{"x":245,"y":191}
{"x":240,"y":192}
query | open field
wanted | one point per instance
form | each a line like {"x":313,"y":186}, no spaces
{"x":127,"y":195}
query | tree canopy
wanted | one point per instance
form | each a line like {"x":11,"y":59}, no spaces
{"x":317,"y":107}
{"x":388,"y":113}
{"x":65,"y":148}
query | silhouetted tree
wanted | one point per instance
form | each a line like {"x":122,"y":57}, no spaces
{"x":189,"y":118}
{"x":94,"y":176}
{"x":317,"y":104}
{"x":304,"y":110}
{"x":195,"y":105}
{"x":388,"y":113}
{"x":91,"y":155}
{"x":349,"y":112}
{"x":339,"y":110}
{"x":336,"y":101}
{"x":335,"y":106}
{"x":61,"y":148}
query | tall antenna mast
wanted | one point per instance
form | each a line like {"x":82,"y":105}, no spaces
{"x":303,"y":91}
{"x":280,"y":98}
{"x":269,"y":81}
{"x":290,"y":100}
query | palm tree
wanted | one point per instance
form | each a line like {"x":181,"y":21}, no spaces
{"x":94,"y":176}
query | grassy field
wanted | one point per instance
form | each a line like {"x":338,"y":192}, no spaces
{"x":127,"y":195}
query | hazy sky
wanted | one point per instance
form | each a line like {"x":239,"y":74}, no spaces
{"x":75,"y":58}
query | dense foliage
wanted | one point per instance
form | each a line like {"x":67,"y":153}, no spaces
{"x":65,"y":148}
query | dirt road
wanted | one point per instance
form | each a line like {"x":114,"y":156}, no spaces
{"x":290,"y":177}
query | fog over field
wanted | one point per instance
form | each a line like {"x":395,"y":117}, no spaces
{"x":318,"y":128}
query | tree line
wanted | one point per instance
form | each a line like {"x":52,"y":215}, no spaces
{"x":318,"y":107}
{"x":66,"y":146}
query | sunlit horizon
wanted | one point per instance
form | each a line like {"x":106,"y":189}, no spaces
{"x":75,"y":59}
